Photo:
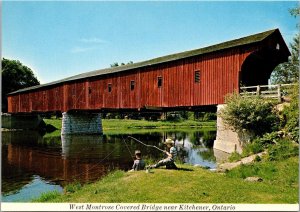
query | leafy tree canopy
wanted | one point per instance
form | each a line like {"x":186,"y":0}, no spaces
{"x":115,"y":64}
{"x":15,"y":76}
{"x":289,"y":72}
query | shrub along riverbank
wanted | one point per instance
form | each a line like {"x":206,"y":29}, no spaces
{"x":190,"y":185}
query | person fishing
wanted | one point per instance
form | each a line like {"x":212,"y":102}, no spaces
{"x":139,"y":163}
{"x":171,"y":156}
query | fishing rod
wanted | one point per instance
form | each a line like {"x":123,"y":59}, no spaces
{"x":146,"y":144}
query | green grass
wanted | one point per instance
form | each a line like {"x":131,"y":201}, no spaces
{"x":54,"y":122}
{"x":124,"y":124}
{"x":72,"y":187}
{"x":121,"y":123}
{"x":55,"y":133}
{"x":235,"y":156}
{"x":194,"y":185}
{"x":119,"y":131}
{"x":283,"y":172}
{"x":47,"y":196}
{"x":57,"y":124}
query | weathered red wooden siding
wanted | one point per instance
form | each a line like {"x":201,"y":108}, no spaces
{"x":150,"y":92}
{"x":95,"y":96}
{"x":75,"y":97}
{"x":110,"y":99}
{"x":129,"y":98}
{"x":9,"y":103}
{"x":55,"y":97}
{"x":13,"y":103}
{"x":35,"y":101}
{"x":51,"y":99}
{"x":219,"y":75}
{"x":24,"y":102}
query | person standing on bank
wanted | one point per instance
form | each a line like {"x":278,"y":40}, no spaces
{"x":171,"y":156}
{"x":139,"y":163}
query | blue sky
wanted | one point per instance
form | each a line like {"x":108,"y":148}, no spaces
{"x":60,"y":39}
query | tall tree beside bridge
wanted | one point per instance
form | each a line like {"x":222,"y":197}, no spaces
{"x":289,"y":72}
{"x":15,"y":76}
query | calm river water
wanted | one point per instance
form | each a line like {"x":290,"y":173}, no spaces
{"x":33,"y":164}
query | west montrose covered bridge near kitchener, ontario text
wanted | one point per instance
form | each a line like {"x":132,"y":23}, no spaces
{"x":188,"y":80}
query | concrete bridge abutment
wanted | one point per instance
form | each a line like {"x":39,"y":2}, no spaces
{"x":81,"y":123}
{"x":228,"y":140}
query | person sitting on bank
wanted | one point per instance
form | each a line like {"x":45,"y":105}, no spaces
{"x":171,"y":156}
{"x":139,"y":163}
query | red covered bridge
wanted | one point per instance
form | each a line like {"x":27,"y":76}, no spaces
{"x":187,"y":80}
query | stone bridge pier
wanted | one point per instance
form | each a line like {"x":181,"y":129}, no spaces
{"x":81,"y":123}
{"x":227,"y":140}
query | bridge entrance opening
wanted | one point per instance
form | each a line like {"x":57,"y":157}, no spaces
{"x":258,"y":66}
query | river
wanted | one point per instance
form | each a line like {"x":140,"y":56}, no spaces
{"x":33,"y":164}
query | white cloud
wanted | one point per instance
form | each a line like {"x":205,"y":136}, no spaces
{"x":81,"y":49}
{"x":92,"y":40}
{"x":88,"y":44}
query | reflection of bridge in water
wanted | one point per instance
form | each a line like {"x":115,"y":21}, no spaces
{"x":83,"y":160}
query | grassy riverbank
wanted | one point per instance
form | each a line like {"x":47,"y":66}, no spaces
{"x":192,"y":185}
{"x":128,"y":124}
{"x":112,"y":126}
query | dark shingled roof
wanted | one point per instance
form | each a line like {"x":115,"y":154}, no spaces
{"x":221,"y":46}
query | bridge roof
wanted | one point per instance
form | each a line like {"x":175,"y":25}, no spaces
{"x":255,"y":38}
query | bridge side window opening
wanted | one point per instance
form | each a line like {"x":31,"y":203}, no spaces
{"x":132,"y":84}
{"x":197,"y":76}
{"x":159,"y":81}
{"x":109,"y":87}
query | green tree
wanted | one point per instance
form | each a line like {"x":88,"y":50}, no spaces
{"x":15,"y":76}
{"x":291,"y":114}
{"x":289,"y":72}
{"x":295,"y":12}
{"x":115,"y":64}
